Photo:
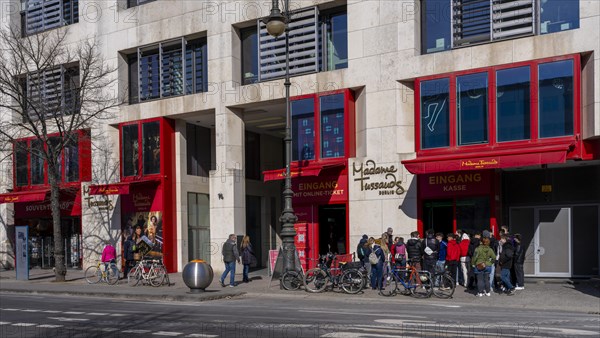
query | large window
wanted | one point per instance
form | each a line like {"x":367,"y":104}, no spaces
{"x":556,"y":98}
{"x":435,"y":111}
{"x":141,"y":148}
{"x":71,"y":154}
{"x":172,"y":68}
{"x":303,"y":129}
{"x":199,"y":150}
{"x":513,"y":113}
{"x":318,"y":41}
{"x":447,"y":24}
{"x":41,"y":15}
{"x":332,"y":126}
{"x":21,"y":151}
{"x":525,"y":110}
{"x":37,"y":162}
{"x":199,"y":227}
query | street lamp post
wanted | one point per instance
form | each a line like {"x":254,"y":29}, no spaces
{"x":277,"y":25}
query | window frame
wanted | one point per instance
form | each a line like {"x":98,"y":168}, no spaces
{"x":140,"y":146}
{"x":349,"y":126}
{"x":71,"y":5}
{"x":83,"y":160}
{"x":493,"y":143}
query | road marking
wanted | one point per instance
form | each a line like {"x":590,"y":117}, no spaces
{"x":108,"y":329}
{"x":118,"y":315}
{"x":360,"y":314}
{"x":356,"y":335}
{"x":52,"y":311}
{"x":49,"y":326}
{"x":73,"y":313}
{"x":11,"y":309}
{"x":444,"y":305}
{"x":402,"y":322}
{"x":24,"y":324}
{"x":200,"y":335}
{"x":136,"y":331}
{"x":31,"y":310}
{"x":571,"y":332}
{"x":4,"y":323}
{"x":65,"y":319}
{"x":97,"y":314}
{"x":165,"y":333}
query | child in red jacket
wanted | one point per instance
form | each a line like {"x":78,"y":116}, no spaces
{"x":452,"y":256}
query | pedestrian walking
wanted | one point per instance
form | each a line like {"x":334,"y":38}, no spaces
{"x":230,"y":256}
{"x":482,"y":261}
{"x":248,"y":257}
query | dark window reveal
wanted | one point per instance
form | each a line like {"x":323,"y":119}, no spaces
{"x":199,"y":150}
{"x":37,"y":162}
{"x":252,"y":152}
{"x":151,"y":152}
{"x":130,"y":150}
{"x":303,"y":129}
{"x":249,"y":55}
{"x":71,"y":153}
{"x":21,"y":151}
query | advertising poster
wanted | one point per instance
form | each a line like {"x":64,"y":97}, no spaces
{"x":144,"y":226}
{"x":22,"y":252}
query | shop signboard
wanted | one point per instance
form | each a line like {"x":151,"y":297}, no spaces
{"x":451,"y":184}
{"x":22,"y":252}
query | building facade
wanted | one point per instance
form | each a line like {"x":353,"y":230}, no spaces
{"x":410,"y":114}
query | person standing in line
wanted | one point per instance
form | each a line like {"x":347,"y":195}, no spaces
{"x":414,"y":249}
{"x":248,"y":257}
{"x":495,"y":248}
{"x":505,"y":262}
{"x":465,"y":260}
{"x":482,"y":261}
{"x":360,"y":248}
{"x":390,"y":242}
{"x":518,"y":263}
{"x":399,"y":253}
{"x":441,"y":262}
{"x":230,"y":256}
{"x":431,"y":249}
{"x":473,"y":244}
{"x":453,"y":256}
{"x":377,"y":268}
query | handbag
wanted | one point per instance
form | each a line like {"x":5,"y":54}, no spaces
{"x":253,"y":261}
{"x":481,"y":266}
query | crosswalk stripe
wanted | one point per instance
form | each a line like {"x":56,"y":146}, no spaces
{"x":118,"y":315}
{"x":201,"y":335}
{"x":24,"y":324}
{"x":136,"y":331}
{"x":31,"y":310}
{"x":4,"y":323}
{"x":49,"y":326}
{"x":165,"y":333}
{"x":97,"y":314}
{"x":73,"y":313}
{"x":52,"y":311}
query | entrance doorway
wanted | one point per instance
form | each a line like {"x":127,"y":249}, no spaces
{"x":332,"y":229}
{"x":439,"y":216}
{"x":470,"y":214}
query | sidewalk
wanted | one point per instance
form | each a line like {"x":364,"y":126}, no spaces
{"x":542,"y":294}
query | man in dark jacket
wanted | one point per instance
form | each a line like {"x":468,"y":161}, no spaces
{"x":519,"y":260}
{"x":431,"y":249}
{"x":506,"y":262}
{"x":473,"y":244}
{"x":414,"y":249}
{"x":360,"y":250}
{"x":230,"y":256}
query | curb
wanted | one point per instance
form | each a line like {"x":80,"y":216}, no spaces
{"x":178,"y":298}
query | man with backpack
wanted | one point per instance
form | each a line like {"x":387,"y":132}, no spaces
{"x":414,"y":250}
{"x":431,"y":248}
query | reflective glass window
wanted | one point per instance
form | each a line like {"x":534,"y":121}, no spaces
{"x":513,"y":104}
{"x":472,"y":108}
{"x":556,"y":99}
{"x":249,"y":55}
{"x":337,"y":41}
{"x":37,"y":162}
{"x":435,"y":111}
{"x":130,"y":150}
{"x":21,"y":151}
{"x":332,"y":125}
{"x":303,"y":129}
{"x":71,"y":153}
{"x":435,"y":25}
{"x":151,"y":151}
{"x":558,"y":15}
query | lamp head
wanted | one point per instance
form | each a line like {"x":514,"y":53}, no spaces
{"x":276,"y":23}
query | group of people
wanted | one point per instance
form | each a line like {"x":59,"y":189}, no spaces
{"x":231,"y":255}
{"x":476,"y":261}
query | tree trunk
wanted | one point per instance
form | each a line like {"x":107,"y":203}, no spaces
{"x":60,"y":268}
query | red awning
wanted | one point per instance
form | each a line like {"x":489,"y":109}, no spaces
{"x":24,"y":196}
{"x":488,"y":160}
{"x":119,"y":188}
{"x":309,"y":170}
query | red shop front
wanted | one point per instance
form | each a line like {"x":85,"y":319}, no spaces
{"x":147,"y":186}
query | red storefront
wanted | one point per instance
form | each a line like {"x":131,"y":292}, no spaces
{"x":31,"y":196}
{"x":323,"y":140}
{"x":147,"y":187}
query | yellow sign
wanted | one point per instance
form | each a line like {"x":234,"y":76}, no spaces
{"x":479,"y":164}
{"x":547,"y":188}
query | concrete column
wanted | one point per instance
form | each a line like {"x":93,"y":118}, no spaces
{"x":227,"y":186}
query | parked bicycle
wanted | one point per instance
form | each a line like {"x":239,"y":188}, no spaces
{"x":443,"y":284}
{"x":102,"y":272}
{"x":332,"y":271}
{"x":416,"y":283}
{"x":150,"y":272}
{"x":292,"y":280}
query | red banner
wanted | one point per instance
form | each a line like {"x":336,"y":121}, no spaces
{"x":69,"y":204}
{"x":25,"y":196}
{"x":455,"y":184}
{"x":320,"y":189}
{"x":110,"y":189}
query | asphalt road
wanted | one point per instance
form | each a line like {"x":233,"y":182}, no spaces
{"x":278,"y":317}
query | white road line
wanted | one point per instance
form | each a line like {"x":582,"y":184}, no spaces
{"x":108,"y":329}
{"x":31,"y":310}
{"x":11,"y":309}
{"x":201,"y":335}
{"x":165,"y":333}
{"x":49,"y":326}
{"x":24,"y":324}
{"x":4,"y":323}
{"x":446,"y":305}
{"x":52,"y":311}
{"x":96,"y":314}
{"x":65,"y":319}
{"x":401,"y":322}
{"x":136,"y":331}
{"x":118,"y":315}
{"x":356,"y":335}
{"x":359,"y":313}
{"x":73,"y":313}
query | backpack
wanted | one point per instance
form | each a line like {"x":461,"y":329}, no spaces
{"x":400,"y":252}
{"x":373,"y":259}
{"x":361,"y":252}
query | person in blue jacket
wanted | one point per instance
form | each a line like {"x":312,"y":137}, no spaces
{"x":377,"y":269}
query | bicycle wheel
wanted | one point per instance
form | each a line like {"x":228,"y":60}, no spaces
{"x":112,"y":275}
{"x":389,"y":285}
{"x":93,"y":274}
{"x":445,"y":288}
{"x":422,"y":289}
{"x":315,"y":280}
{"x":134,"y":276}
{"x":352,"y":281}
{"x":158,"y":275}
{"x":291,"y":280}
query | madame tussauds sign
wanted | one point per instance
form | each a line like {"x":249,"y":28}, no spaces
{"x":383,"y":179}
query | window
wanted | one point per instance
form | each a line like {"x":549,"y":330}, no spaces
{"x":21,"y":151}
{"x":37,"y":162}
{"x":168,"y":69}
{"x":71,"y":155}
{"x":303,"y":129}
{"x":556,"y":98}
{"x":151,"y":141}
{"x":133,"y":3}
{"x":513,"y":104}
{"x":252,"y":152}
{"x":41,"y":15}
{"x":471,"y":107}
{"x":317,"y":42}
{"x":130,"y":150}
{"x":435,"y":111}
{"x":481,"y":21}
{"x":332,"y":126}
{"x":199,"y":150}
{"x":249,"y":55}
{"x":530,"y":101}
{"x":199,"y":227}
{"x":50,"y":93}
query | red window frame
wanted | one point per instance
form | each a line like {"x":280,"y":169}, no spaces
{"x":84,"y":158}
{"x":163,"y":137}
{"x":492,"y":143}
{"x":349,"y":126}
